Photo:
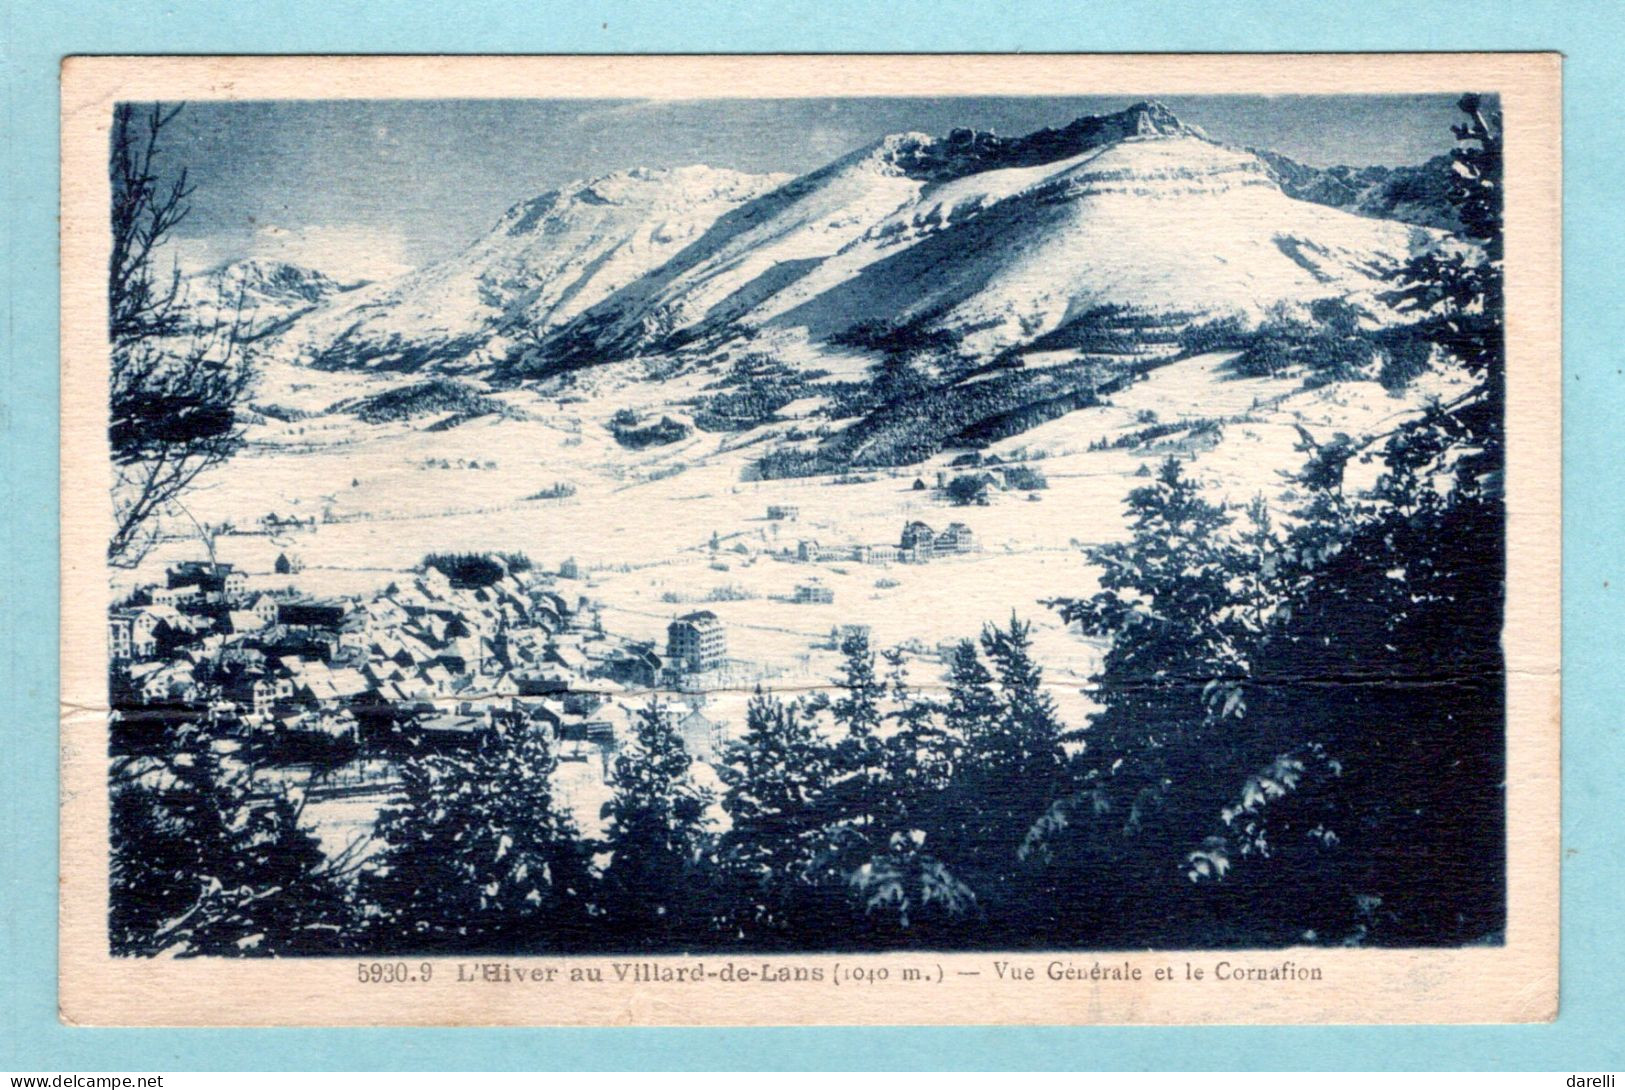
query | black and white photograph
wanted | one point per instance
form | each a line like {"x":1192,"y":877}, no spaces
{"x":756,"y":530}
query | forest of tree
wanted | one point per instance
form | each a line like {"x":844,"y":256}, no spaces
{"x":1299,"y":738}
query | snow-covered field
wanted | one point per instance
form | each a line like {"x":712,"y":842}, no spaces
{"x":640,"y":524}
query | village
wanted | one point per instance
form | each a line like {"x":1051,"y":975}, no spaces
{"x":331,"y":691}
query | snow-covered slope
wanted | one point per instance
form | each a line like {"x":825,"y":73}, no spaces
{"x":544,"y":262}
{"x":1417,"y":194}
{"x":751,"y":254}
{"x":1168,"y":225}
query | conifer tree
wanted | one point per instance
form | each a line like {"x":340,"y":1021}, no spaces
{"x":920,"y":750}
{"x":479,"y":854}
{"x":777,"y":776}
{"x":1181,"y":609}
{"x":861,"y":774}
{"x":206,"y":862}
{"x":653,"y":889}
{"x":905,"y":892}
{"x":858,"y":707}
{"x":1012,"y":765}
{"x":1184,"y":602}
{"x":972,"y":706}
{"x":1029,"y":739}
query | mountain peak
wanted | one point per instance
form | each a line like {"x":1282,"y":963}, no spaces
{"x":1151,"y":118}
{"x":273,"y":277}
{"x":969,"y":151}
{"x":638,"y":189}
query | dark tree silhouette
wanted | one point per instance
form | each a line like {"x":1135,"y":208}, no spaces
{"x":203,"y":864}
{"x":655,"y":888}
{"x":904,"y":889}
{"x":972,"y":705}
{"x":860,"y":779}
{"x":969,"y":488}
{"x":874,"y":861}
{"x":777,"y":777}
{"x":1010,"y":763}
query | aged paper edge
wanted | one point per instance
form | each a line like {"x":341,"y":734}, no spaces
{"x":1517,"y":982}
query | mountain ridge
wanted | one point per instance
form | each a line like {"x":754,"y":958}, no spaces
{"x":651,"y":260}
{"x":258,"y":296}
{"x":544,"y":259}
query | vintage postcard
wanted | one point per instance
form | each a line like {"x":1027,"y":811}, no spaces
{"x":810,"y":540}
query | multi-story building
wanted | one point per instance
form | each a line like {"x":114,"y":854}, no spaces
{"x":216,"y":582}
{"x":174,"y":596}
{"x":875,"y":554}
{"x":144,"y":626}
{"x":696,"y":642}
{"x":118,"y":635}
{"x":266,"y":608}
{"x":957,"y":538}
{"x":814,"y":594}
{"x":915,"y":534}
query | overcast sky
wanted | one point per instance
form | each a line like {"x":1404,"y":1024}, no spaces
{"x":363,"y":189}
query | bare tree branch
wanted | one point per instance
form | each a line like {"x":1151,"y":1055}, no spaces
{"x":176,"y":384}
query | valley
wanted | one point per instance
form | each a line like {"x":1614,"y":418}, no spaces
{"x":639,"y":526}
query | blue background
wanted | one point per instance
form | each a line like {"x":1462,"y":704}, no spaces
{"x":35,"y":36}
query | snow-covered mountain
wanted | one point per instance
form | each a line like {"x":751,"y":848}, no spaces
{"x":544,"y":262}
{"x":992,"y":243}
{"x":1171,"y":226}
{"x":260,"y":297}
{"x":1002,"y":242}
